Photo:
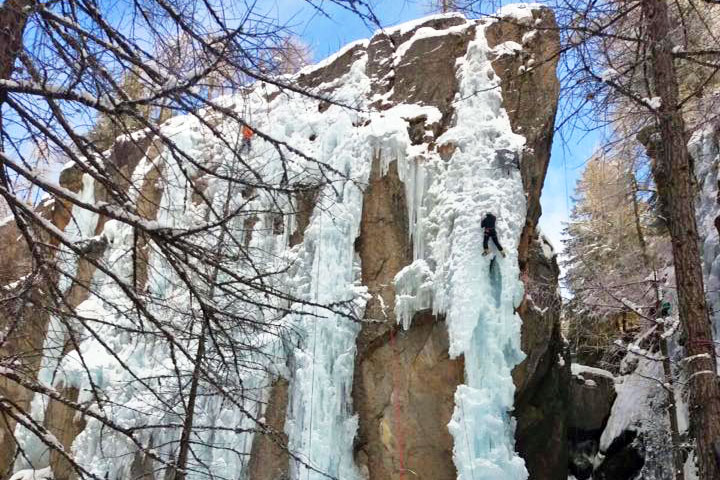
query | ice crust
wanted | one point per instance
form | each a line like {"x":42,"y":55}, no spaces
{"x":446,"y":199}
{"x":704,"y":147}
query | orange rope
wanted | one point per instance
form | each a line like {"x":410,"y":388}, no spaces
{"x":400,"y":438}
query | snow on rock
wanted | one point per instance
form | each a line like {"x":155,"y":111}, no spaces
{"x":654,"y":102}
{"x":640,"y":408}
{"x":330,"y":59}
{"x":42,"y":474}
{"x":577,"y":369}
{"x":520,"y":12}
{"x":411,"y":25}
{"x":548,"y":249}
{"x":425,"y":32}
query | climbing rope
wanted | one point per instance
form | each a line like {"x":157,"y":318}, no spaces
{"x":467,"y":438}
{"x":397,"y":411}
{"x":312,"y":384}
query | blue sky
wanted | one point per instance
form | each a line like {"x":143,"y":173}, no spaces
{"x":326,"y":35}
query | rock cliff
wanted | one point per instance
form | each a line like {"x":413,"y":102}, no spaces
{"x":403,"y":382}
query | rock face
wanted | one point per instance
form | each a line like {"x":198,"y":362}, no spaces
{"x":268,"y":459}
{"x":404,"y":381}
{"x":592,"y":394}
{"x":542,"y":396}
{"x":404,"y":395}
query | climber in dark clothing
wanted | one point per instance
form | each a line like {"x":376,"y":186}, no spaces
{"x":488,"y":226}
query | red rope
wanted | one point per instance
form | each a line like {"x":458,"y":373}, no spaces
{"x":400,"y":438}
{"x":703,"y":342}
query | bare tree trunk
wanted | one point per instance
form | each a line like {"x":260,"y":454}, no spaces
{"x":13,"y":17}
{"x":673,"y":176}
{"x":638,"y":226}
{"x":181,"y":470}
{"x":181,"y":465}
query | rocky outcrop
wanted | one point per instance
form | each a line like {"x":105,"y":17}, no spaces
{"x":530,"y":91}
{"x":404,"y":380}
{"x":592,"y":394}
{"x":542,"y":396}
{"x":269,"y":459}
{"x":426,"y":76}
{"x":404,"y":395}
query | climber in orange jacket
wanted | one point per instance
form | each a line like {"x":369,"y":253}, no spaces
{"x":247,"y":134}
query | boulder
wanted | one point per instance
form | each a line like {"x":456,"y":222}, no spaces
{"x":592,"y":393}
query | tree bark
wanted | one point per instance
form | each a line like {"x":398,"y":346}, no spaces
{"x":181,"y":470}
{"x":673,"y":176}
{"x":13,"y":18}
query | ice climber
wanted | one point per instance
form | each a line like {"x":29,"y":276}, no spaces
{"x":247,"y":134}
{"x":488,"y":226}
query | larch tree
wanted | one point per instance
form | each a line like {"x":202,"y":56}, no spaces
{"x":674,"y":175}
{"x":623,"y":60}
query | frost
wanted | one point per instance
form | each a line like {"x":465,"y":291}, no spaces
{"x":654,"y":102}
{"x":42,"y":474}
{"x":520,"y":12}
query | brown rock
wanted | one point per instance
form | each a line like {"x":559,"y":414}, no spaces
{"x":65,"y":424}
{"x":334,"y":70}
{"x":592,"y":396}
{"x":25,"y":320}
{"x":305,"y":201}
{"x":29,"y":321}
{"x":426,"y":73}
{"x":404,"y":388}
{"x":530,"y":98}
{"x":542,"y":395}
{"x":269,"y":459}
{"x":14,"y":254}
{"x":404,"y":394}
{"x":124,"y":158}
